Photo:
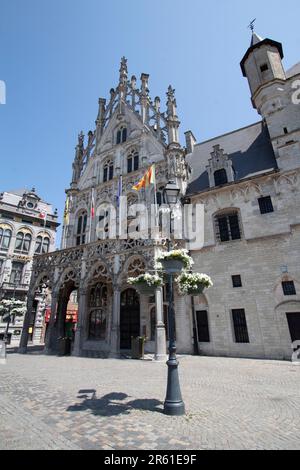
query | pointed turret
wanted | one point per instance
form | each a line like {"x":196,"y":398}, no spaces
{"x":262,"y":63}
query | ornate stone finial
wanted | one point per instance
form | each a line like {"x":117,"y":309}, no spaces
{"x":171,"y":102}
{"x":157,"y":103}
{"x":81,"y":139}
{"x":123,"y":71}
{"x":144,"y":85}
{"x":133,"y":82}
{"x":90,"y":137}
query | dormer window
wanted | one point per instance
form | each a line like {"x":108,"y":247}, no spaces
{"x":132,"y":161}
{"x":220,"y":170}
{"x":108,"y":171}
{"x":220,"y":177}
{"x":121,"y":135}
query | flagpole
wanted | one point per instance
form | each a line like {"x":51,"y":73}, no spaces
{"x":91,"y":215}
{"x":155,"y":196}
{"x":120,"y":189}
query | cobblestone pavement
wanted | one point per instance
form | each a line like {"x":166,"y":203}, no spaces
{"x":78,"y":403}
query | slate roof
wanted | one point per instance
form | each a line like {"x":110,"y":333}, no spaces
{"x":249,"y":148}
{"x":295,"y":70}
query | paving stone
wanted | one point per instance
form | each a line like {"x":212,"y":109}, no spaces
{"x":231,"y":404}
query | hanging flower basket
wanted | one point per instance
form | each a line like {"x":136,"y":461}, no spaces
{"x":175,"y":261}
{"x":193,"y":283}
{"x":146,"y":284}
{"x":145,"y":289}
{"x":172,"y":266}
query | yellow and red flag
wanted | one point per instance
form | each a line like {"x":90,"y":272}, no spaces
{"x":148,"y":178}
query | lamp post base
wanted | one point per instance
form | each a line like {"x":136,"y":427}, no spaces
{"x":174,"y":409}
{"x":174,"y":405}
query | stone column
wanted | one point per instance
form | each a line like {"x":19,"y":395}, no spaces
{"x":160,"y":330}
{"x":115,"y":330}
{"x":184,"y":339}
{"x":51,"y":326}
{"x":26,"y":323}
{"x":80,"y":322}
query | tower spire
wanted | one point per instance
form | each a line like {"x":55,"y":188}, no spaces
{"x":123,"y":71}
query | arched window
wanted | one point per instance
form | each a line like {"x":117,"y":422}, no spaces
{"x":81,"y":229}
{"x":121,"y":135}
{"x":38,"y":244}
{"x":42,"y":245}
{"x":108,"y":171}
{"x":228,"y":226}
{"x":46,"y":245}
{"x":5,"y":237}
{"x":98,"y":312}
{"x":23,"y":242}
{"x":220,"y":177}
{"x":132,"y":161}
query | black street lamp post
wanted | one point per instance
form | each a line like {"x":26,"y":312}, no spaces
{"x":174,"y":405}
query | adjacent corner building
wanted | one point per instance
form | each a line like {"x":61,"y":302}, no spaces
{"x":27,"y":227}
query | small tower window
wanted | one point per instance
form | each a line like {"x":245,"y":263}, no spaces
{"x":220,"y":177}
{"x":264,"y":68}
{"x":121,"y":135}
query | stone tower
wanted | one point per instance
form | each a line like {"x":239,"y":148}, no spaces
{"x":272,"y":91}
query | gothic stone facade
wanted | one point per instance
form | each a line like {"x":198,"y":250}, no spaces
{"x":248,"y":181}
{"x":23,"y":232}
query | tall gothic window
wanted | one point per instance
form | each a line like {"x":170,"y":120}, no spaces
{"x":108,"y":171}
{"x":220,"y":177}
{"x":132,"y":161}
{"x":16,"y":273}
{"x":23,"y":242}
{"x":228,"y":226}
{"x":5,"y":238}
{"x":81,"y":229}
{"x":42,"y":245}
{"x":121,"y":135}
{"x":98,"y":312}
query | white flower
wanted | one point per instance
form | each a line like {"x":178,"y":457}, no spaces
{"x":189,"y":282}
{"x":150,"y":279}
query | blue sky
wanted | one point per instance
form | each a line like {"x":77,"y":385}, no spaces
{"x":57,"y":57}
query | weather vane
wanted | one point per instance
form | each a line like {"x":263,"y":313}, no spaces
{"x":251,"y":25}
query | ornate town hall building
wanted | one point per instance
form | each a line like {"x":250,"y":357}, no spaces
{"x":248,"y":181}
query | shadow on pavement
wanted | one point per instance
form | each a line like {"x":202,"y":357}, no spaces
{"x":113,"y":404}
